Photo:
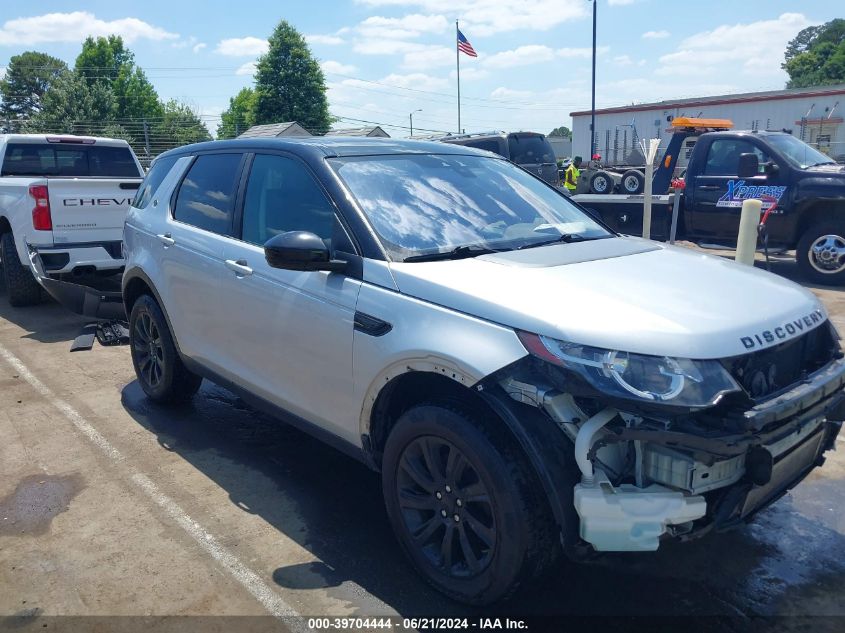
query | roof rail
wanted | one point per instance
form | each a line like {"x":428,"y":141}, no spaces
{"x":473,"y":134}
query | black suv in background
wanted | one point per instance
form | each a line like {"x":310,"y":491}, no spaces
{"x":529,"y":150}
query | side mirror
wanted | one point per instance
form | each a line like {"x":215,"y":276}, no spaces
{"x":771,"y":168}
{"x":749,"y":166}
{"x":300,"y":250}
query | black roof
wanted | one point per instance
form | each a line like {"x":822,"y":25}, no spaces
{"x":326,"y":146}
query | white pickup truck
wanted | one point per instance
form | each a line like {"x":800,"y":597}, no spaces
{"x":65,"y":198}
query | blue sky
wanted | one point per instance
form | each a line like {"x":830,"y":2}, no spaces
{"x":385,"y":58}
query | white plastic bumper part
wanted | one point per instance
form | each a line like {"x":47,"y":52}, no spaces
{"x":631,"y":519}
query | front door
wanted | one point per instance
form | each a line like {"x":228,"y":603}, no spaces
{"x":718,"y":191}
{"x":293,"y":343}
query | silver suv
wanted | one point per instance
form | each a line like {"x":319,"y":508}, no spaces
{"x":528,"y":383}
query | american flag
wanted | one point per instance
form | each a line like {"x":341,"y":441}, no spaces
{"x":464,"y":46}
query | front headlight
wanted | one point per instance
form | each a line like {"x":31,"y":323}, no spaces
{"x":657,"y":379}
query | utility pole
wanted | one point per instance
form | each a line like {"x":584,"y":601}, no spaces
{"x":147,"y":137}
{"x":458,"y":66}
{"x":593,"y":107}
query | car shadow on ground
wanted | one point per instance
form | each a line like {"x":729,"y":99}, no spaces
{"x":47,"y":322}
{"x":331,"y":505}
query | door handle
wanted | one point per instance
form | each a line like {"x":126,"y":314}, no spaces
{"x":166,"y":240}
{"x":709,"y":187}
{"x":239,"y":267}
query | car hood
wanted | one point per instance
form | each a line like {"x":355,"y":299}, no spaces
{"x":624,"y":294}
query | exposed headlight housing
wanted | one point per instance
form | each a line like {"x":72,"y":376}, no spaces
{"x":655,"y":379}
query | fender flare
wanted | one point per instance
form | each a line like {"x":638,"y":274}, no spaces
{"x":137,"y":273}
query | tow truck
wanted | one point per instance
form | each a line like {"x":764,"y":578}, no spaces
{"x":802,"y":193}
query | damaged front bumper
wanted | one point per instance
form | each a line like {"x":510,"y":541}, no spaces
{"x":76,"y":297}
{"x":682,"y":484}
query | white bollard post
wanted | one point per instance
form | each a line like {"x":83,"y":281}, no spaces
{"x":746,"y":241}
{"x":650,"y":152}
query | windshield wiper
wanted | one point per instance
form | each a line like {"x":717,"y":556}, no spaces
{"x":823,"y":162}
{"x":565,"y":237}
{"x":459,"y":252}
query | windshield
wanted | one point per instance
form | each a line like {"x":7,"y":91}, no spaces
{"x":797,"y":151}
{"x":530,"y":148}
{"x":423,"y":204}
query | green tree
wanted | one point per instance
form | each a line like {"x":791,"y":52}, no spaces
{"x":563,"y":131}
{"x":239,"y":116}
{"x":28,"y":77}
{"x":816,"y":56}
{"x":103,"y":59}
{"x":135,"y":97}
{"x":289,"y":83}
{"x":73,"y":106}
{"x":179,"y":125}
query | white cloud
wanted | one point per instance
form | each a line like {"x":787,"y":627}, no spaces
{"x":2,"y":72}
{"x":246,"y":69}
{"x":386,"y":47}
{"x":331,"y":66}
{"x":418,"y":81}
{"x":429,"y":57}
{"x":488,"y":17}
{"x":521,"y":56}
{"x":655,"y":35}
{"x":328,"y":40}
{"x":623,"y":60}
{"x":406,"y":27}
{"x":751,"y":49}
{"x":504,"y":93}
{"x":470,"y":73}
{"x":197,"y":48}
{"x":72,"y":27}
{"x":242,"y":46}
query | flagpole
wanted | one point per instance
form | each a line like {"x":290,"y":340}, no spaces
{"x":458,"y":63}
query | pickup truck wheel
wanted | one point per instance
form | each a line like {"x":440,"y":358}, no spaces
{"x":160,"y":371}
{"x":601,"y":182}
{"x":21,"y":286}
{"x":633,"y":182}
{"x":465,"y":505}
{"x":821,"y":253}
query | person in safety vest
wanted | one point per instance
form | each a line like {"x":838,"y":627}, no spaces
{"x":571,"y":174}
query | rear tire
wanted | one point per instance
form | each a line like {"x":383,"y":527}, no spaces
{"x":21,"y":287}
{"x":601,"y":182}
{"x":821,"y":253}
{"x":160,"y":371}
{"x":633,"y":182}
{"x":465,"y":505}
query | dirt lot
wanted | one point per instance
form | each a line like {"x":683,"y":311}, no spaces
{"x":111,"y":506}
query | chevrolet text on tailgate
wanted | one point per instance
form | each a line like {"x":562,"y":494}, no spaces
{"x":528,"y":382}
{"x":65,"y":199}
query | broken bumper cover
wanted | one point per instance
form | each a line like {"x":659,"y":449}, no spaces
{"x":65,"y":258}
{"x":85,"y":300}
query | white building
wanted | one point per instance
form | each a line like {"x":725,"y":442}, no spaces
{"x":814,"y":115}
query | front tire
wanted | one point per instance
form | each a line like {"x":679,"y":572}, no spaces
{"x":465,"y":505}
{"x":601,"y":182}
{"x":21,"y":286}
{"x":160,"y":371}
{"x":821,"y":253}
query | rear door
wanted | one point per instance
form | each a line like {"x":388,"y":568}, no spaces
{"x":191,"y":254}
{"x":534,"y":153}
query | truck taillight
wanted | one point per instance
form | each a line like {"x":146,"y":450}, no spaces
{"x":41,"y":218}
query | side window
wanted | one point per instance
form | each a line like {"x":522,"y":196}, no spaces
{"x":723,"y":156}
{"x":491,"y":145}
{"x":156,"y":175}
{"x":282,"y":196}
{"x":207,"y":195}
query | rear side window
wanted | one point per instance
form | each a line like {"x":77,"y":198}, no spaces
{"x":157,"y":174}
{"x":491,"y":145}
{"x":530,"y":149}
{"x":31,"y":159}
{"x":206,"y":198}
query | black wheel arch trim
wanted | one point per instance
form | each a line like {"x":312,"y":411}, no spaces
{"x":549,"y":453}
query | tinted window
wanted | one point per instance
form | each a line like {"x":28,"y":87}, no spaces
{"x":422,"y":204}
{"x":207,"y":195}
{"x":491,"y":145}
{"x":157,"y":173}
{"x":530,"y":149}
{"x":282,"y":196}
{"x":30,"y":159}
{"x":723,"y":156}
